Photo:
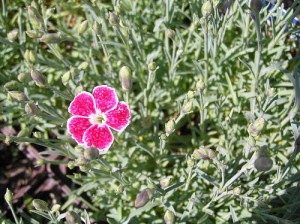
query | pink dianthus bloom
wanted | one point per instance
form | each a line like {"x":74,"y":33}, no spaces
{"x":94,"y":115}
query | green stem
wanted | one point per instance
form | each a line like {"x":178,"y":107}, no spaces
{"x":13,"y":213}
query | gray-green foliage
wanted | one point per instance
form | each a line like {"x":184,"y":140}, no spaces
{"x":205,"y":74}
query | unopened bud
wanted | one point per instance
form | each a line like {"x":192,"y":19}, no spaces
{"x":125,"y":31}
{"x":152,"y":66}
{"x":40,"y":205}
{"x":171,"y":34}
{"x":119,"y":189}
{"x":113,"y":19}
{"x":30,"y":56}
{"x":271,"y":92}
{"x":55,"y":208}
{"x":66,"y":77}
{"x":78,"y":89}
{"x":190,"y":163}
{"x":73,"y":218}
{"x":206,"y":9}
{"x":200,"y":86}
{"x":83,"y":65}
{"x":51,"y":38}
{"x":84,"y":168}
{"x":82,"y":27}
{"x":17,"y":95}
{"x":71,"y":165}
{"x":187,"y":106}
{"x":91,"y":153}
{"x":11,"y":85}
{"x":251,"y":141}
{"x":169,"y":217}
{"x":125,"y":78}
{"x":34,"y":34}
{"x":8,"y":196}
{"x":96,"y":27}
{"x":256,"y":5}
{"x":37,"y":134}
{"x":204,"y":153}
{"x":143,"y":198}
{"x":35,"y":18}
{"x":263,"y":163}
{"x":40,"y":162}
{"x":23,"y":77}
{"x":12,"y":35}
{"x":79,"y":149}
{"x":169,"y":127}
{"x":236,"y":191}
{"x":190,"y":94}
{"x":31,"y":109}
{"x":38,"y":78}
{"x":165,"y":182}
{"x":256,"y":127}
{"x":81,"y":161}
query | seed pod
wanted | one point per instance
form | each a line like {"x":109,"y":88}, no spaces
{"x":165,"y":182}
{"x":35,"y":18}
{"x":204,"y":153}
{"x":206,"y":9}
{"x":152,"y":66}
{"x":91,"y":153}
{"x":8,"y":196}
{"x":187,"y":106}
{"x":169,"y":127}
{"x":73,"y":218}
{"x":40,"y":205}
{"x":17,"y":95}
{"x":113,"y":19}
{"x":263,"y":163}
{"x":125,"y":78}
{"x":12,"y":35}
{"x":82,"y":27}
{"x":169,"y":217}
{"x":38,"y":78}
{"x":51,"y":38}
{"x":171,"y":34}
{"x":34,"y":34}
{"x":256,"y":127}
{"x":31,"y":109}
{"x":143,"y":198}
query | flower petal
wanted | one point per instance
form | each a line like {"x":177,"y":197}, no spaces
{"x":105,"y":97}
{"x":77,"y":126}
{"x":98,"y":136}
{"x":83,"y":105}
{"x":118,"y":118}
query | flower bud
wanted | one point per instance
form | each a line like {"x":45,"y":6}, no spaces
{"x":81,"y":161}
{"x":187,"y":106}
{"x":17,"y":95}
{"x":40,"y":162}
{"x":236,"y":191}
{"x":23,"y":77}
{"x":35,"y":18}
{"x":152,"y":66}
{"x":206,"y":9}
{"x":34,"y":34}
{"x":8,"y":196}
{"x":113,"y":19}
{"x":84,"y":168}
{"x":71,"y":165}
{"x":169,"y":127}
{"x":37,"y":134}
{"x":83,"y":65}
{"x":163,"y":137}
{"x":190,"y":94}
{"x":82,"y":27}
{"x":200,"y":86}
{"x":171,"y":34}
{"x":125,"y":31}
{"x":79,"y":149}
{"x":204,"y":153}
{"x":169,"y":217}
{"x":256,"y":5}
{"x":125,"y":78}
{"x":91,"y":153}
{"x":78,"y":89}
{"x":165,"y":182}
{"x":96,"y":27}
{"x":30,"y":56}
{"x":73,"y":218}
{"x":263,"y":163}
{"x":190,"y":163}
{"x":31,"y":109}
{"x":65,"y":78}
{"x":55,"y":208}
{"x":40,"y":205}
{"x":256,"y":127}
{"x":119,"y":189}
{"x":271,"y":92}
{"x":11,"y":85}
{"x":251,"y":141}
{"x":38,"y":78}
{"x":143,"y":198}
{"x":51,"y":38}
{"x":12,"y":35}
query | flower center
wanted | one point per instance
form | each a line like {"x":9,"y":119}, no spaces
{"x":98,"y":118}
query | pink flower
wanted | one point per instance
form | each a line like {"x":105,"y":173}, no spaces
{"x":94,"y":115}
